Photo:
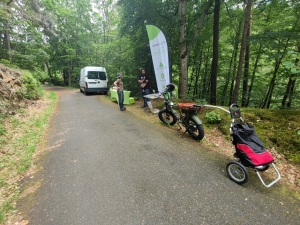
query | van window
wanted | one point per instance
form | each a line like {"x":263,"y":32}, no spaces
{"x":96,"y":75}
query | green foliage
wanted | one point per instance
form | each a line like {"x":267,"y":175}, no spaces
{"x":17,"y":152}
{"x":213,"y":117}
{"x":3,"y":131}
{"x":2,"y":128}
{"x":40,"y":75}
{"x":290,"y":63}
{"x":33,"y":87}
{"x":277,"y":129}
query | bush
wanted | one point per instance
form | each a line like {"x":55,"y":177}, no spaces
{"x":213,"y":117}
{"x":33,"y":87}
{"x":40,"y":76}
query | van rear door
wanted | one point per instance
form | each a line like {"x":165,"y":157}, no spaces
{"x":97,"y":79}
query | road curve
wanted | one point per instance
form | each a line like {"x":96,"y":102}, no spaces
{"x":108,"y":167}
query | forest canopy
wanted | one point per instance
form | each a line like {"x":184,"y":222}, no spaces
{"x":220,"y":51}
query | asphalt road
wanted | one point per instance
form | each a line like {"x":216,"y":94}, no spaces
{"x":108,"y":167}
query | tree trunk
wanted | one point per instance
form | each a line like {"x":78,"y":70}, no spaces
{"x":270,"y":91}
{"x":232,"y":66}
{"x":253,"y":75}
{"x":289,"y":104}
{"x":214,"y":69}
{"x":184,"y":51}
{"x":205,"y":93}
{"x":246,"y":70}
{"x":69,"y":74}
{"x":289,"y":91}
{"x":242,"y":52}
{"x":267,"y":101}
{"x":290,"y":87}
{"x":7,"y":32}
{"x":182,"y":48}
{"x":196,"y":89}
{"x":227,"y":79}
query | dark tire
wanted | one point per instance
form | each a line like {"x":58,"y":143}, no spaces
{"x":85,"y":92}
{"x":195,"y":130}
{"x":167,"y":117}
{"x":237,"y":172}
{"x":105,"y":92}
{"x":80,"y":90}
{"x":264,"y":168}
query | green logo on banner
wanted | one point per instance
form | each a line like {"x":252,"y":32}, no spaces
{"x":162,"y":75}
{"x":161,"y":65}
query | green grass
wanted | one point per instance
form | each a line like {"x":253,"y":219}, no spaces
{"x":16,"y":156}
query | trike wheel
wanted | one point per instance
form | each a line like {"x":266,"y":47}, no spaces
{"x":195,"y":130}
{"x":167,"y":117}
{"x":237,"y":172}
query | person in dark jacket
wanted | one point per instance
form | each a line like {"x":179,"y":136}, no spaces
{"x":143,"y":80}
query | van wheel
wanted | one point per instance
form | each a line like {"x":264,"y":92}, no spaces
{"x":80,"y":90}
{"x":105,"y":92}
{"x":85,"y":92}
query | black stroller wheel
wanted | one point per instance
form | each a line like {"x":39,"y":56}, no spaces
{"x":237,"y":172}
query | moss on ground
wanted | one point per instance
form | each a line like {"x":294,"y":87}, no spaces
{"x":279,"y":129}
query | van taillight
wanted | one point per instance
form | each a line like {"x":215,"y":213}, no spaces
{"x":86,"y":84}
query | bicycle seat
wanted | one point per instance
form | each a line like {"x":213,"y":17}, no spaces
{"x":186,"y":106}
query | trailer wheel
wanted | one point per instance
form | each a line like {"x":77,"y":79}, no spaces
{"x":237,"y":172}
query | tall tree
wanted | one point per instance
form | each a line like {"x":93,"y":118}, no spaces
{"x":214,"y":65}
{"x":242,"y":52}
{"x":246,"y":69}
{"x":185,"y":47}
{"x":290,"y":88}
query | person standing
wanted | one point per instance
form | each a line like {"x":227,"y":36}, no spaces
{"x":143,"y":80}
{"x":120,"y":90}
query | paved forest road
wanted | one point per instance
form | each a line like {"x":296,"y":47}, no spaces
{"x":106,"y":167}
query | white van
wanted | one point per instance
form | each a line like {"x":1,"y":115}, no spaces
{"x":93,"y":80}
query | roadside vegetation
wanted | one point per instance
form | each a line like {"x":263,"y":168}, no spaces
{"x":21,"y":130}
{"x":279,"y":129}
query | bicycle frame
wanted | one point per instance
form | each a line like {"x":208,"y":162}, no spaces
{"x":187,"y":116}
